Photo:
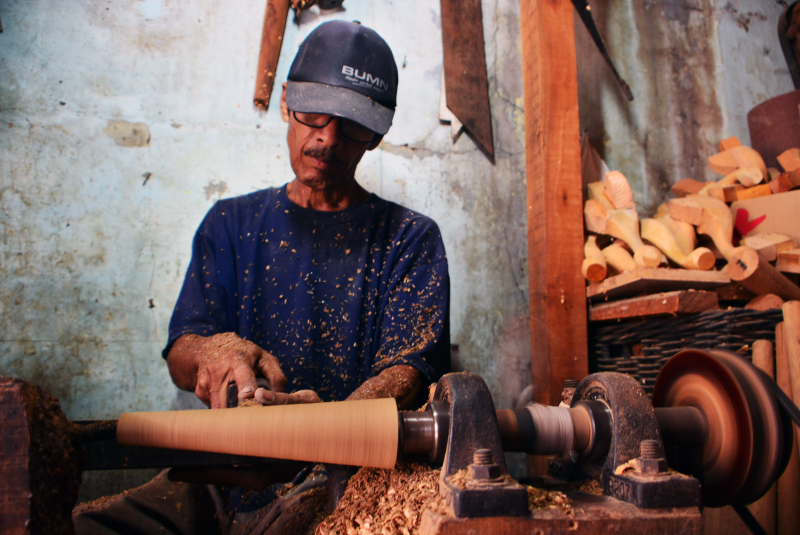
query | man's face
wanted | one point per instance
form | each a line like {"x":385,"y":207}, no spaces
{"x":322,"y":158}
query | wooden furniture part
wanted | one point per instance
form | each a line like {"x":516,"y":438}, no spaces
{"x":659,"y":235}
{"x":746,"y":176}
{"x":655,"y":305}
{"x":358,"y":433}
{"x":618,"y":190}
{"x":624,"y":224}
{"x":559,"y":349}
{"x":758,"y":275}
{"x":789,"y":482}
{"x":594,"y":265}
{"x":751,"y":193}
{"x":655,"y":280}
{"x":717,"y":223}
{"x":729,"y":143}
{"x":725,"y":194}
{"x":271,"y":40}
{"x":686,"y":210}
{"x":729,"y":160}
{"x":618,"y":258}
{"x":684,"y":233}
{"x":765,"y":509}
{"x":687,"y":186}
{"x":597,"y":192}
{"x":595,"y":215}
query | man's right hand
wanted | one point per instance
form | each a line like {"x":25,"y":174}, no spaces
{"x":208,"y":365}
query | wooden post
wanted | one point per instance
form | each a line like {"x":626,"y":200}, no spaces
{"x":789,"y":482}
{"x":555,"y":203}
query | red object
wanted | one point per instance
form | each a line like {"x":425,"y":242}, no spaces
{"x":743,"y":224}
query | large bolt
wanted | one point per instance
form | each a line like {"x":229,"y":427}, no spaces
{"x":482,"y":457}
{"x":649,"y":449}
{"x":651,"y":459}
{"x":483,"y":468}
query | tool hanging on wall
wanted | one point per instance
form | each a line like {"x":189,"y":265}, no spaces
{"x":585,"y":12}
{"x":271,"y":40}
{"x":466,"y":84}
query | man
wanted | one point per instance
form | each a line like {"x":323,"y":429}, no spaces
{"x":325,"y":290}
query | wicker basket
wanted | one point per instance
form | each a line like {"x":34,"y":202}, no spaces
{"x":640,"y":348}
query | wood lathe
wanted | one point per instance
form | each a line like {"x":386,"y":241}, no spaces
{"x":717,"y":432}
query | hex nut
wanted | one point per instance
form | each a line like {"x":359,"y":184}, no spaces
{"x":651,"y":466}
{"x":484,"y":471}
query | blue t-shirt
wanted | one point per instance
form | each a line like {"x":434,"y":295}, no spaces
{"x":337,"y":297}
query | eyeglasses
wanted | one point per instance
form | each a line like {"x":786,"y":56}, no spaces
{"x":349,"y":129}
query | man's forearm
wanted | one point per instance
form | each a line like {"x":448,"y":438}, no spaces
{"x":401,"y":382}
{"x":182,"y":361}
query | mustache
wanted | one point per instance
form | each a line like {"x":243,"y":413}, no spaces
{"x":326,"y":154}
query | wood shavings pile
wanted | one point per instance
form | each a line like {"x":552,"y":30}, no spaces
{"x":386,"y":502}
{"x":390,"y":502}
{"x":548,"y":499}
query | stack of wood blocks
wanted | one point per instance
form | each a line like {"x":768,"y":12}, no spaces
{"x":746,"y":219}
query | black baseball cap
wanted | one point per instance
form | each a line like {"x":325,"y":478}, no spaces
{"x":345,"y":69}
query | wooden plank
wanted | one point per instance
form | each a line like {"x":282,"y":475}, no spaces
{"x":789,"y":482}
{"x":553,"y":171}
{"x":648,"y":306}
{"x":765,"y":509}
{"x":655,"y":280}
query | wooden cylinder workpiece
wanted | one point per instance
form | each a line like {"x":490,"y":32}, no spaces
{"x":759,"y":276}
{"x":361,"y":433}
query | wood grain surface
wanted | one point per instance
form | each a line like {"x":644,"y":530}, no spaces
{"x":360,"y":433}
{"x":553,"y":175}
{"x":653,"y":280}
{"x":789,"y":482}
{"x":661,"y":304}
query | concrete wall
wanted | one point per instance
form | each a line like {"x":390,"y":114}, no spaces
{"x":123,"y":122}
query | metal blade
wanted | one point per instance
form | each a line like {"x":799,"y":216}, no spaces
{"x":585,"y":12}
{"x":466,"y":82}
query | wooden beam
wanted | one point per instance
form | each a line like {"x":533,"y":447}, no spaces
{"x":553,"y":170}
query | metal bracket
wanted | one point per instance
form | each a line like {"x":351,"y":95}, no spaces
{"x":474,"y":446}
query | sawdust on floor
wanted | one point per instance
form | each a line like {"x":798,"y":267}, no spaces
{"x":389,"y":502}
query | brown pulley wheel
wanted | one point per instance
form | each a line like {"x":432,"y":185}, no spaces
{"x":744,"y":450}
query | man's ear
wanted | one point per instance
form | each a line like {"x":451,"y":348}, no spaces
{"x":374,"y":144}
{"x":284,"y":109}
